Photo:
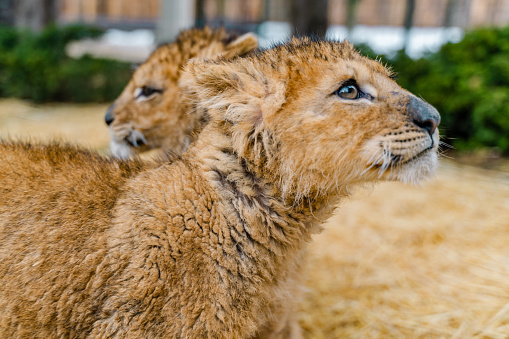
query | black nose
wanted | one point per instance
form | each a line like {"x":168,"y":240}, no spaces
{"x":423,"y":114}
{"x":108,"y":118}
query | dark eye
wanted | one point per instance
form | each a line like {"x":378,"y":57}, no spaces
{"x":349,"y":91}
{"x":147,"y":91}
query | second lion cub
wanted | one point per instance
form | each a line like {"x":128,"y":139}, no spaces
{"x":152,"y":112}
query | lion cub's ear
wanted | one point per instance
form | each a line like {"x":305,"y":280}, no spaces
{"x":241,"y":46}
{"x":234,"y":90}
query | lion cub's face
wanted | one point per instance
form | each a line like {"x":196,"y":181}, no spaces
{"x":316,"y":116}
{"x":151,"y":112}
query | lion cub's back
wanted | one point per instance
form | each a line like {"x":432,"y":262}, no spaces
{"x":55,"y":203}
{"x":42,"y":177}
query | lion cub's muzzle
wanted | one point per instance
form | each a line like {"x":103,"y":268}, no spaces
{"x":423,"y":114}
{"x":123,"y":136}
{"x":412,"y":141}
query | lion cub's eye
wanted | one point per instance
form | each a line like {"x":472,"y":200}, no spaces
{"x":145,"y":93}
{"x":349,"y":91}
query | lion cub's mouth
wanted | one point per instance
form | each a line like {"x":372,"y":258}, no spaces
{"x":394,"y":152}
{"x":123,"y":142}
{"x":135,"y":139}
{"x":415,"y":157}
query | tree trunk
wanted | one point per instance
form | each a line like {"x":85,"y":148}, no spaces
{"x":351,"y":16}
{"x":35,"y":14}
{"x":450,"y":9}
{"x":309,"y":17}
{"x":266,"y":10}
{"x":175,"y":15}
{"x":6,"y":12}
{"x":102,"y":8}
{"x":465,"y":15}
{"x":201,"y":19}
{"x":409,"y":22}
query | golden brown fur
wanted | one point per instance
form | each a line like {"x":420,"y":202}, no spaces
{"x":164,"y":119}
{"x":211,"y":245}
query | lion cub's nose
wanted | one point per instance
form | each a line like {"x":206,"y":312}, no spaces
{"x":423,"y":114}
{"x":108,"y":118}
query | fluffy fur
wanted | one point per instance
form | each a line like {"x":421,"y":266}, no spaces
{"x":209,"y":246}
{"x":151,"y":112}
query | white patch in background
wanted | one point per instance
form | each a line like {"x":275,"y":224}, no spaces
{"x":382,"y":39}
{"x":136,"y":38}
{"x":134,"y":46}
{"x":389,"y":39}
{"x":273,"y":32}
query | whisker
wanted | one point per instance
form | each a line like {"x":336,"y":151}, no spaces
{"x":442,"y":143}
{"x":442,"y":155}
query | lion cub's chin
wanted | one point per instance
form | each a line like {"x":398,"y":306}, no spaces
{"x":416,"y":171}
{"x":121,"y":150}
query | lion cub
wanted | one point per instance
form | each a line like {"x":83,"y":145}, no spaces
{"x":152,"y":112}
{"x":208,"y":246}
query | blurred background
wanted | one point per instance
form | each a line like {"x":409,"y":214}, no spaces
{"x":454,"y":53}
{"x":396,"y":261}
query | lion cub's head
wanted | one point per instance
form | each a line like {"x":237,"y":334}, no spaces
{"x":151,"y":111}
{"x":314,"y":117}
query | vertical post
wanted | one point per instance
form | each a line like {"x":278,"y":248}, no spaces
{"x":309,"y":17}
{"x":102,"y":11}
{"x":80,"y":10}
{"x":266,"y":10}
{"x":7,"y":12}
{"x":409,"y":22}
{"x":450,"y":9}
{"x":467,"y":6}
{"x":175,"y":15}
{"x":221,"y":11}
{"x":35,"y":14}
{"x":351,"y":17}
{"x":201,"y":20}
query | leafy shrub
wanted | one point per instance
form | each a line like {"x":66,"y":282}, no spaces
{"x":35,"y":67}
{"x":468,"y":82}
{"x":9,"y":38}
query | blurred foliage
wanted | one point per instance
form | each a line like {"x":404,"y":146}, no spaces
{"x":468,"y":82}
{"x":35,"y":67}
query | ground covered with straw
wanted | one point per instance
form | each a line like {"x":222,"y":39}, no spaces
{"x":406,"y":262}
{"x":395,"y":262}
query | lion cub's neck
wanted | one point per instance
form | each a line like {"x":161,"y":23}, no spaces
{"x":255,"y":200}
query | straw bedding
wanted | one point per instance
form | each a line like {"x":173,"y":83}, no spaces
{"x":404,"y":262}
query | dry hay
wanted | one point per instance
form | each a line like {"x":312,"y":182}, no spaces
{"x":395,"y":262}
{"x":404,"y":262}
{"x":83,"y":124}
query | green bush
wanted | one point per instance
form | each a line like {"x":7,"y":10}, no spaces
{"x":35,"y":67}
{"x":468,"y":82}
